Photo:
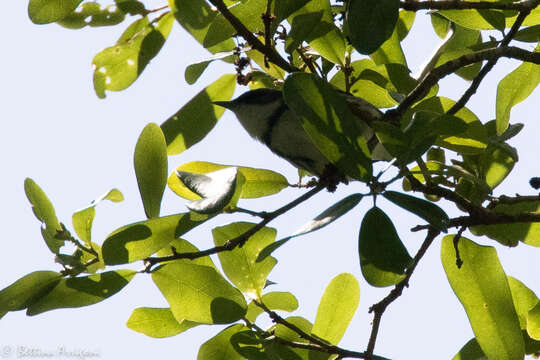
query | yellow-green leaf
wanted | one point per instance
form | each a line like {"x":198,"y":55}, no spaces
{"x":82,"y":291}
{"x":157,"y":322}
{"x":150,"y":160}
{"x":482,"y":288}
{"x":337,"y":307}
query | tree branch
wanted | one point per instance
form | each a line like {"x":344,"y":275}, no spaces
{"x":449,"y":67}
{"x":240,"y":239}
{"x":379,"y":308}
{"x":315,"y":343}
{"x":269,"y":52}
{"x":488,"y":66}
{"x":462,"y":5}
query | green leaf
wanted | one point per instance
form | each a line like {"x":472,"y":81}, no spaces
{"x":141,"y":239}
{"x":329,"y":123}
{"x":118,"y":66}
{"x":462,"y":41}
{"x":524,"y":299}
{"x":184,"y":246}
{"x":220,"y":347}
{"x":27,"y":289}
{"x":82,"y":219}
{"x":274,"y":301}
{"x":510,"y":234}
{"x":470,"y":351}
{"x":513,"y":89}
{"x":428,"y":211}
{"x":194,"y":71}
{"x":92,"y":14}
{"x":150,"y":160}
{"x":240,"y":264}
{"x":258,"y":182}
{"x":377,"y":83}
{"x":44,"y":212}
{"x":472,"y":141}
{"x":496,"y":162}
{"x":529,"y":34}
{"x":196,"y":16}
{"x":217,"y":189}
{"x":482,"y":288}
{"x":390,"y":52}
{"x":194,"y":120}
{"x":371,"y":23}
{"x":314,"y":23}
{"x":533,"y":322}
{"x":82,"y":291}
{"x":157,"y":322}
{"x":199,"y":293}
{"x":48,"y":11}
{"x":383,"y":257}
{"x":476,"y":19}
{"x":337,"y":307}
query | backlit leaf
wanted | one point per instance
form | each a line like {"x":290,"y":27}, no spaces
{"x":118,"y":66}
{"x":240,"y":264}
{"x":48,"y":11}
{"x":44,"y":212}
{"x":198,"y":117}
{"x":276,"y":300}
{"x":511,"y":234}
{"x":141,"y":239}
{"x":150,"y":161}
{"x":513,"y":89}
{"x":482,"y":288}
{"x":337,"y":307}
{"x":199,"y":293}
{"x":220,"y":347}
{"x":157,"y":322}
{"x":27,"y":289}
{"x":82,"y":291}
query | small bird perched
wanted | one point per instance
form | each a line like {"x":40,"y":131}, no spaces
{"x":266,"y":117}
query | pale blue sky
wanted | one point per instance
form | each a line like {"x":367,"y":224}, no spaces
{"x":76,"y":147}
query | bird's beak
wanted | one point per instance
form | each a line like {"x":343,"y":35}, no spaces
{"x":225,"y":104}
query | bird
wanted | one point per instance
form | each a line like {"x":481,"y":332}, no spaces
{"x":266,"y":117}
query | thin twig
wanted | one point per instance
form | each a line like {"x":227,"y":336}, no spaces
{"x":379,"y":308}
{"x":315,"y":343}
{"x":461,"y":5}
{"x":459,"y":262}
{"x":240,"y":239}
{"x":271,"y":54}
{"x":449,"y":67}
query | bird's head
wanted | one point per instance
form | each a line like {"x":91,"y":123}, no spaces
{"x":254,"y":109}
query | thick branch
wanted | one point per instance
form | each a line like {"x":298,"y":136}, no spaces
{"x":488,"y":218}
{"x":461,"y":5}
{"x":445,"y":193}
{"x":379,"y":308}
{"x":489,"y":65}
{"x":438,"y":73}
{"x":239,"y":240}
{"x":270,"y":53}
